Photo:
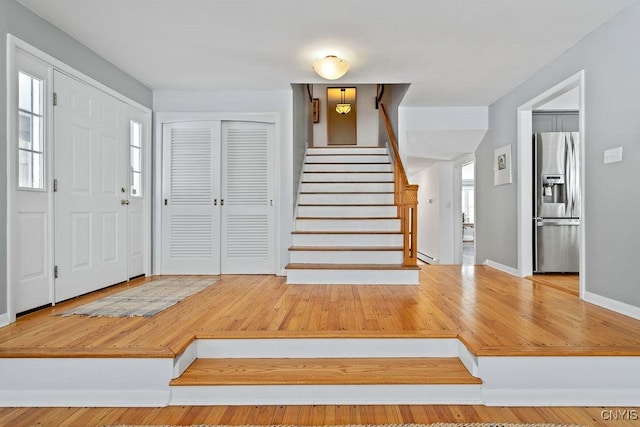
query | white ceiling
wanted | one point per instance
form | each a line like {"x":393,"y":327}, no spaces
{"x":453,"y":52}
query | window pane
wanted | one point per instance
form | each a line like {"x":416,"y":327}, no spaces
{"x":37,"y":100}
{"x":24,"y":91}
{"x":38,"y":171}
{"x":135,"y":159}
{"x":25,"y":169}
{"x":136,"y":184}
{"x":37,"y":133}
{"x":136,"y":134}
{"x":24,"y":131}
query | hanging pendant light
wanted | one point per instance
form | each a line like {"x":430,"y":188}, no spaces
{"x":343,"y":108}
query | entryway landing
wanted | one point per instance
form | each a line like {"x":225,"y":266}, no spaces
{"x":502,"y":340}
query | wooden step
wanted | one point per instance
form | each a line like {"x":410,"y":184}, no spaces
{"x":348,"y":167}
{"x":348,"y":176}
{"x":346,"y":158}
{"x":347,"y":149}
{"x":346,"y":197}
{"x":325,"y":371}
{"x":336,"y":210}
{"x":302,"y":266}
{"x":347,"y":224}
{"x":346,"y":187}
{"x":345,"y":248}
{"x":345,"y":255}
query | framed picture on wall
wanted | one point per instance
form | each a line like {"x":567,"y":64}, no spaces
{"x":502,"y":165}
{"x":315,"y":110}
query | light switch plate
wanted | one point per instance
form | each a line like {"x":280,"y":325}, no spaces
{"x":613,"y":155}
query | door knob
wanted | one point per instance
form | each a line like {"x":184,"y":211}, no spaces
{"x":124,"y":202}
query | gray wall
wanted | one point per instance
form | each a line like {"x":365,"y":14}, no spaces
{"x":302,"y":131}
{"x":611,"y":62}
{"x":20,"y":22}
{"x":391,"y":98}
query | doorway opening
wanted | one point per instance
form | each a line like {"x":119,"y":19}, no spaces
{"x":468,"y":213}
{"x":342,"y":116}
{"x":571,"y":90}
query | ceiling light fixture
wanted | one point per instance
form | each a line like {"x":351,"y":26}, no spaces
{"x":343,"y":108}
{"x":331,"y":67}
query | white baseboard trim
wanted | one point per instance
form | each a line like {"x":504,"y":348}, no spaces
{"x":611,"y":304}
{"x":85,"y":398}
{"x":4,"y":319}
{"x":501,"y":267}
{"x":566,"y":397}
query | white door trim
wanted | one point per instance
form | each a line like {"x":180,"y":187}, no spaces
{"x":13,"y":45}
{"x":525,"y":172}
{"x":161,"y":118}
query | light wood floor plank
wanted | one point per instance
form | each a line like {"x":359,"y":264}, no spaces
{"x":492,"y":312}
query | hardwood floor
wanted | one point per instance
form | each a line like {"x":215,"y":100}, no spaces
{"x":306,"y":415}
{"x":492,"y":312}
{"x":569,"y":283}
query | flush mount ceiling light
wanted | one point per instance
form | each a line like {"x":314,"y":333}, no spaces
{"x":343,"y":108}
{"x":331,"y":67}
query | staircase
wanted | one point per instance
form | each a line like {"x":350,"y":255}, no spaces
{"x":298,"y":371}
{"x":347,"y":229}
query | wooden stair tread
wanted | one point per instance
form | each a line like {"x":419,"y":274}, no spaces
{"x":347,"y":182}
{"x":345,"y":154}
{"x":325,"y":371}
{"x":346,"y":232}
{"x":348,"y":163}
{"x":310,"y":266}
{"x":351,"y":218}
{"x":346,"y":192}
{"x":391,"y":172}
{"x":346,"y":248}
{"x":345,"y":205}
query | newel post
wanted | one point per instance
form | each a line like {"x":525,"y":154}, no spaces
{"x":410,"y":224}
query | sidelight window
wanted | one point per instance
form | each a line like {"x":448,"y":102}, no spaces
{"x":135,"y":153}
{"x":30,"y":132}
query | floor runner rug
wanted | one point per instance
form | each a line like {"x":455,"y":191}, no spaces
{"x":144,"y":300}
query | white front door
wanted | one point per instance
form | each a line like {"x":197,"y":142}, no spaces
{"x":29,"y":188}
{"x":90,"y":163}
{"x":190,"y":198}
{"x":247,"y":190}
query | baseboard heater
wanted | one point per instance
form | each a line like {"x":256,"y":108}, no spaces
{"x":426,"y":258}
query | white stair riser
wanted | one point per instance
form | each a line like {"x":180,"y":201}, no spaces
{"x":348,"y":225}
{"x":344,"y":150}
{"x":442,"y":394}
{"x":283,"y":348}
{"x":350,"y":211}
{"x":346,"y":257}
{"x":346,"y":199}
{"x":352,"y":277}
{"x":347,"y":167}
{"x":375,"y":158}
{"x":348,"y":177}
{"x":347,"y":240}
{"x":346,"y":186}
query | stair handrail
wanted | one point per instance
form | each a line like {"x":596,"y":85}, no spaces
{"x":405,"y":198}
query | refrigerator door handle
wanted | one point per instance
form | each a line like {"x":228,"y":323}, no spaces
{"x":557,"y":221}
{"x":567,"y":175}
{"x":575,"y":179}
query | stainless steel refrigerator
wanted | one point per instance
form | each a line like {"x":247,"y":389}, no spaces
{"x":556,"y":219}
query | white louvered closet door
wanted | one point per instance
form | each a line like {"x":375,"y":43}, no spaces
{"x":191,"y":187}
{"x":247,"y":228}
